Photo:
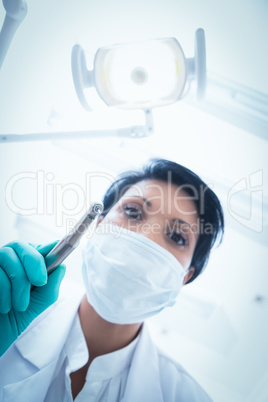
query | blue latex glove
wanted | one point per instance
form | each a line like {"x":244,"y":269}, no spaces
{"x":22,"y":265}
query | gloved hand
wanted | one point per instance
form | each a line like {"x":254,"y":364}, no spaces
{"x":22,"y":265}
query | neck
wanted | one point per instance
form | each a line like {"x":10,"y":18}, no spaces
{"x":101,"y":336}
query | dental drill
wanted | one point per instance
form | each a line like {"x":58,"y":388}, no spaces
{"x":69,"y":242}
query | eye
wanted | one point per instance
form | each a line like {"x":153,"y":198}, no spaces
{"x":133,"y":211}
{"x":179,"y":238}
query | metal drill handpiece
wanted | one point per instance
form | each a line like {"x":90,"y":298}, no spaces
{"x":62,"y":249}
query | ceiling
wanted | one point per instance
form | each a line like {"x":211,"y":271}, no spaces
{"x":218,"y":329}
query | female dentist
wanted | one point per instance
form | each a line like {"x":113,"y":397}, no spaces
{"x":154,"y":236}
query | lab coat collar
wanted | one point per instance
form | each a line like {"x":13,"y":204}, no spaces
{"x":109,"y":365}
{"x":144,"y":382}
{"x":42,"y":334}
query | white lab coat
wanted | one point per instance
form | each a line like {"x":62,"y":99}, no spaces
{"x":31,"y":370}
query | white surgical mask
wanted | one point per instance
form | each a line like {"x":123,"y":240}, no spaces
{"x":127,"y":276}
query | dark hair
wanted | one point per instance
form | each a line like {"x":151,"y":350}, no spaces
{"x":207,"y":203}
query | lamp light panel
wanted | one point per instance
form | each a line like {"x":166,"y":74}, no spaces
{"x":140,"y":75}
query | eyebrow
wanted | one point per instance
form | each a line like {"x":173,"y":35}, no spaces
{"x":178,"y":220}
{"x":175,"y":220}
{"x":148,"y":203}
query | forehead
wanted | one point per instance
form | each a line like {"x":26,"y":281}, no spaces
{"x":169,"y":196}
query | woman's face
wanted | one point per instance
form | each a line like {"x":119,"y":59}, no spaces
{"x":162,"y":212}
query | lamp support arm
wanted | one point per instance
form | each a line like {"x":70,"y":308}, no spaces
{"x":125,"y":132}
{"x":16,"y":11}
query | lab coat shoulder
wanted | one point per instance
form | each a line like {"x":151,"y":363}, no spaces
{"x":28,"y":366}
{"x":176,"y":383}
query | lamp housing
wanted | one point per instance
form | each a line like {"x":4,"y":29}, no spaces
{"x":140,"y":75}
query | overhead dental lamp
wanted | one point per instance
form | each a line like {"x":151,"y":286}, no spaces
{"x":141,"y":75}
